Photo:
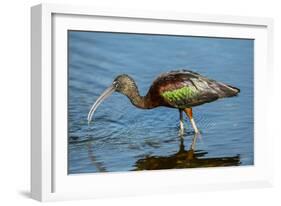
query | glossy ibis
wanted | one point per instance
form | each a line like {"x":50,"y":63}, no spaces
{"x":181,"y":89}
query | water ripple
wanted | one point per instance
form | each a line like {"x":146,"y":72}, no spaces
{"x":122,"y":137}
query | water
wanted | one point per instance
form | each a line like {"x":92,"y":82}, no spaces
{"x":125,"y":138}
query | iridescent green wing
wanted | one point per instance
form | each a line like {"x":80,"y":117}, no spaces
{"x":186,"y":89}
{"x":186,"y":92}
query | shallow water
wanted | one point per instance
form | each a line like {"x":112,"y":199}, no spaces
{"x":122,"y":137}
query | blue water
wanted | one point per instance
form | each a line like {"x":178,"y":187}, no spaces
{"x":122,"y":137}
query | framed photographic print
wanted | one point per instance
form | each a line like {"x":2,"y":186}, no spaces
{"x":137,"y":102}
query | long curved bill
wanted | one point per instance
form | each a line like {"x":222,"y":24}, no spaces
{"x":101,"y":98}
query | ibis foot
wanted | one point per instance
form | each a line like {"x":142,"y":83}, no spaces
{"x":192,"y":146}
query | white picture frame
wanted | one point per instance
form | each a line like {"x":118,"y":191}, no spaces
{"x":49,"y":179}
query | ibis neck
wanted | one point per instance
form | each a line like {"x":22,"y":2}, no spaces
{"x":143,"y":102}
{"x":136,"y":99}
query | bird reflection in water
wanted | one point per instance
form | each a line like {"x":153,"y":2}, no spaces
{"x":185,"y":159}
{"x":99,"y":165}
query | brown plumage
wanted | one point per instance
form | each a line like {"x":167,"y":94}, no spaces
{"x":207,"y":90}
{"x":181,"y":89}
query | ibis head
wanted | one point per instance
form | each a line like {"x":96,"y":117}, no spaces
{"x":123,"y":84}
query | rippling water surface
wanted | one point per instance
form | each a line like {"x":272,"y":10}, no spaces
{"x":124,"y":138}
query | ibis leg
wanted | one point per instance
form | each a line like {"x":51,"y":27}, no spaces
{"x":192,"y":146}
{"x":181,"y":123}
{"x":188,"y":112}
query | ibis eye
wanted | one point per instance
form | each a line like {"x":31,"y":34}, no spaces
{"x":116,"y":84}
